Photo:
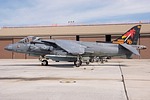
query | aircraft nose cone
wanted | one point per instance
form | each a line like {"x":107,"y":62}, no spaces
{"x":9,"y":47}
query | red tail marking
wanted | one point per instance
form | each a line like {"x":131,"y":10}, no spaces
{"x":131,"y":33}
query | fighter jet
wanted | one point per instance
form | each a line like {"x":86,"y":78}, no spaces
{"x":78,"y":51}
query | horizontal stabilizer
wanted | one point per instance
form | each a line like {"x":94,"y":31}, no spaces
{"x":130,"y":48}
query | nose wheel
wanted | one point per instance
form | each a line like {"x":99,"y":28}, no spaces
{"x":43,"y":60}
{"x":44,"y":63}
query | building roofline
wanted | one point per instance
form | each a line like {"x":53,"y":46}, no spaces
{"x":67,"y":25}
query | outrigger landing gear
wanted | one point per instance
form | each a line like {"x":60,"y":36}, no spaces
{"x":87,"y":63}
{"x":104,"y":59}
{"x":91,"y":60}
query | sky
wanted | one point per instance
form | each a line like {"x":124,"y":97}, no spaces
{"x":63,"y":12}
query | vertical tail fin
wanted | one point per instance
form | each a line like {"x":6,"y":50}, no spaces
{"x":130,"y":37}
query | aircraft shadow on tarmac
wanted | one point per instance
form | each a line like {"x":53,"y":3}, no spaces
{"x":60,"y":65}
{"x":50,"y":65}
{"x":84,"y":65}
{"x":115,"y":64}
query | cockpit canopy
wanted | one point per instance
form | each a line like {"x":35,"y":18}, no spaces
{"x":29,"y":39}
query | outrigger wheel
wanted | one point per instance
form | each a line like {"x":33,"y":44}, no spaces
{"x":44,"y":63}
{"x":87,"y":63}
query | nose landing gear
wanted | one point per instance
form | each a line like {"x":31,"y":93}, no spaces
{"x":44,"y":61}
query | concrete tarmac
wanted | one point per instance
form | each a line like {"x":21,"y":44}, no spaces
{"x":118,"y":79}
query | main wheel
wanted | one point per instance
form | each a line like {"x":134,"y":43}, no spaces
{"x":44,"y":63}
{"x":78,"y":63}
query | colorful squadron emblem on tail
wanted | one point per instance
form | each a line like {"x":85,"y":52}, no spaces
{"x":130,"y":37}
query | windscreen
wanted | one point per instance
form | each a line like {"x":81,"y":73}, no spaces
{"x":29,"y":39}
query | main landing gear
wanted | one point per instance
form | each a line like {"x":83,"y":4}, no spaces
{"x":79,"y":61}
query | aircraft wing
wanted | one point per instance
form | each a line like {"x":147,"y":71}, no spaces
{"x":130,"y":48}
{"x":69,"y":46}
{"x":48,"y":41}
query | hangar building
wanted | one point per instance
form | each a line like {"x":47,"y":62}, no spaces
{"x":93,"y":32}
